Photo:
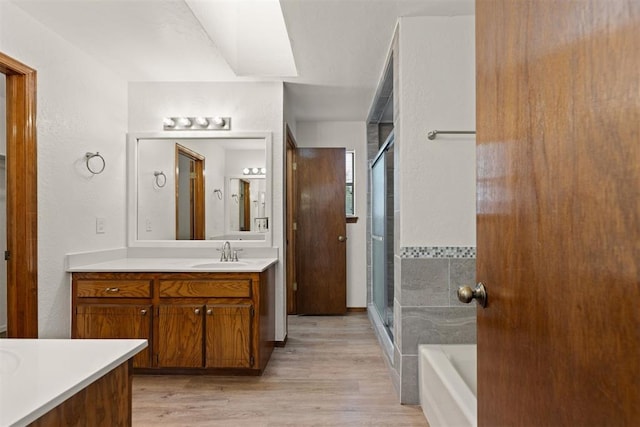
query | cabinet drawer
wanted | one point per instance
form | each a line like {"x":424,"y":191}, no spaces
{"x":114,"y":288}
{"x":235,"y":288}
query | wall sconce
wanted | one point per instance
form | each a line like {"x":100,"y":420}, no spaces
{"x":196,"y":123}
{"x":254,"y":171}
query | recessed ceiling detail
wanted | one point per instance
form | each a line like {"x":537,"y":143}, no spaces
{"x":250,"y":34}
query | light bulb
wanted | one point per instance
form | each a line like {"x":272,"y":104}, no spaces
{"x":263,"y":171}
{"x":255,"y":170}
{"x":168,"y":122}
{"x":185,"y":122}
{"x":219,"y":121}
{"x":202,"y":122}
{"x":245,"y":171}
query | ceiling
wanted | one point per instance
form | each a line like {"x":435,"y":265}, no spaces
{"x":332,"y":65}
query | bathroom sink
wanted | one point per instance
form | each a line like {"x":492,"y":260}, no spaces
{"x":9,"y":362}
{"x":221,"y":264}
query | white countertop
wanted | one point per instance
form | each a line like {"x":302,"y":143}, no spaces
{"x":36,"y":375}
{"x":249,"y":265}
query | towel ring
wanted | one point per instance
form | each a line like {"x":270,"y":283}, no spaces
{"x":88,"y":156}
{"x":159,"y":174}
{"x":218,"y":192}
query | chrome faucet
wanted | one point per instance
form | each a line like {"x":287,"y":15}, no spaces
{"x":225,"y":253}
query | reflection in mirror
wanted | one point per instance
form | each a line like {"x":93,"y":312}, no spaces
{"x":247,"y":205}
{"x":160,"y":208}
{"x":189,"y":204}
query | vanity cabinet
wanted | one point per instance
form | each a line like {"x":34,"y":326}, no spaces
{"x":116,"y":321}
{"x":195,"y":322}
{"x":114,"y":308}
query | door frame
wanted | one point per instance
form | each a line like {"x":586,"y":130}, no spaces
{"x":197,"y":192}
{"x":291,"y":213}
{"x":22,"y":199}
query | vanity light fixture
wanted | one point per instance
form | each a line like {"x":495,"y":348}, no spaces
{"x":196,"y":123}
{"x":169,"y":123}
{"x":203,"y":122}
{"x":185,"y":122}
{"x":254,"y":171}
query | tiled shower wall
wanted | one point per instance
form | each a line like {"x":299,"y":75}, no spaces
{"x":426,"y":307}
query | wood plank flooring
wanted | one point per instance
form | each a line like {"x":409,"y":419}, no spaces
{"x":331,"y":373}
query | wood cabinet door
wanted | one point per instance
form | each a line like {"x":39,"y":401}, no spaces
{"x":229,"y":336}
{"x":116,"y":321}
{"x":179,"y":342}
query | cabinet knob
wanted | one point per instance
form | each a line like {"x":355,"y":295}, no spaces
{"x":196,"y":311}
{"x":112,"y":290}
{"x":209,"y":312}
{"x":143,"y":312}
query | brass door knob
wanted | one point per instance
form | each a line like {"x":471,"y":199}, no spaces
{"x":466,"y":294}
{"x":342,"y":239}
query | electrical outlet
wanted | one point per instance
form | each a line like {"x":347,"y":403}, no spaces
{"x":101,"y":225}
{"x":148,"y":225}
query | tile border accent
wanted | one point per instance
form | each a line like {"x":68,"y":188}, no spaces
{"x":438,"y":252}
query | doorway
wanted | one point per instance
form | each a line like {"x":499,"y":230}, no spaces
{"x":190,"y":215}
{"x":22,"y":200}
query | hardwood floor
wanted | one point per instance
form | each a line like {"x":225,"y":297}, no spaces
{"x":331,"y":372}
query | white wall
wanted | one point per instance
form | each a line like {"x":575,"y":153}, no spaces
{"x":81,"y":107}
{"x":352,"y":136}
{"x":437,"y":87}
{"x":289,"y":110}
{"x":253,"y":107}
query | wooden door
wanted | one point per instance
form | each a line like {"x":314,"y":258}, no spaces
{"x":179,"y":342}
{"x":558,"y":146}
{"x":229,"y":336}
{"x":116,"y":321}
{"x":321,"y":249}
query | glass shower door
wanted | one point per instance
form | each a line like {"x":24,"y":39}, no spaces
{"x":382,"y":237}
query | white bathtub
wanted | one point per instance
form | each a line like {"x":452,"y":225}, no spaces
{"x":448,"y":384}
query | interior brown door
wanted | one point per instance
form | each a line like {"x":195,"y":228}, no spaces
{"x":558,"y":146}
{"x":321,"y":249}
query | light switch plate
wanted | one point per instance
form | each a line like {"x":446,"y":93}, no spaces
{"x":101,"y":225}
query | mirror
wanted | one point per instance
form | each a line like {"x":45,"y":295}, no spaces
{"x":188,"y":189}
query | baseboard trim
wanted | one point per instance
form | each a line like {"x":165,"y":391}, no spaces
{"x":282,"y":343}
{"x":356,"y":309}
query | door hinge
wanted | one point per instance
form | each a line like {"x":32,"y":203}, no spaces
{"x":192,"y":175}
{"x":252,"y":311}
{"x":157,"y":359}
{"x":252,"y":361}
{"x":295,"y":166}
{"x":295,"y":286}
{"x":7,"y":255}
{"x":295,"y":226}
